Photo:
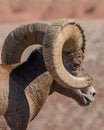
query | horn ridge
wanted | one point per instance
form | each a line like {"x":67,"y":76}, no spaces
{"x":19,"y":39}
{"x":57,"y":34}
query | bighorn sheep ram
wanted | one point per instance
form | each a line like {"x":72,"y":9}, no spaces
{"x":55,"y":66}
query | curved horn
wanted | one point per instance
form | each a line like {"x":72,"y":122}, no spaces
{"x":57,"y":34}
{"x":63,"y":34}
{"x":19,"y":39}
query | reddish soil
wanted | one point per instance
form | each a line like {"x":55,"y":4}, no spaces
{"x":32,"y":10}
{"x":60,"y":112}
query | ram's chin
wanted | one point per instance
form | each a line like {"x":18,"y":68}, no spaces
{"x":85,"y":101}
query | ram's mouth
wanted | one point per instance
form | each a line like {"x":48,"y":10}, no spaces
{"x":87,"y":99}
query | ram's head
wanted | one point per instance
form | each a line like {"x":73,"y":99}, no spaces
{"x":73,"y":62}
{"x":63,"y":47}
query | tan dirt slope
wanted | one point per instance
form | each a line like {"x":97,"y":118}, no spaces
{"x":62,"y":113}
{"x":31,"y":10}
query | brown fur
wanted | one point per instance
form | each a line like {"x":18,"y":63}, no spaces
{"x":25,"y":87}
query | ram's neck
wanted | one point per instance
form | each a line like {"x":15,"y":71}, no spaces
{"x":37,"y":92}
{"x":33,"y":79}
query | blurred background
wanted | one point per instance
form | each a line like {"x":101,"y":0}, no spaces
{"x":60,"y":112}
{"x":14,"y":11}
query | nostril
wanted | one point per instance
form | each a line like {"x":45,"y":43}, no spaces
{"x":93,"y":93}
